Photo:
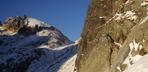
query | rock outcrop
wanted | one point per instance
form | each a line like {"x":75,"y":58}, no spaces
{"x":115,"y":35}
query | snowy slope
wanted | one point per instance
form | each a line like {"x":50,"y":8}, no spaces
{"x":35,"y":47}
{"x":140,"y":66}
{"x":53,"y":60}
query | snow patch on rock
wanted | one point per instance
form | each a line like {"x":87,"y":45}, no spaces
{"x":144,"y":3}
{"x":130,"y":15}
{"x":145,"y":20}
{"x":132,"y":57}
{"x":118,"y":68}
{"x":134,"y":46}
{"x":118,"y":17}
{"x":43,"y":33}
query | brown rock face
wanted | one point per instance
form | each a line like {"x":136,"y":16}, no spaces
{"x":111,"y":27}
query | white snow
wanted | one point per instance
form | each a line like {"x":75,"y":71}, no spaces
{"x":118,"y":17}
{"x":135,"y":58}
{"x":119,"y":69}
{"x":43,"y":33}
{"x":82,"y":54}
{"x":32,"y":22}
{"x":144,"y":3}
{"x":130,"y":60}
{"x":134,"y":45}
{"x":140,"y":47}
{"x":63,"y":47}
{"x":1,"y":28}
{"x":56,"y":60}
{"x":127,"y":61}
{"x":140,"y":66}
{"x":143,"y":40}
{"x":145,"y":20}
{"x":28,"y":40}
{"x":69,"y":65}
{"x":78,"y":41}
{"x":130,"y":15}
{"x":118,"y":44}
{"x":128,"y":1}
{"x":101,"y":17}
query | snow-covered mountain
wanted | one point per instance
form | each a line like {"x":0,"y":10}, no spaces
{"x":30,"y":45}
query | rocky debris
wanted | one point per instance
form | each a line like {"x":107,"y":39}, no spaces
{"x":30,"y":45}
{"x":115,"y":32}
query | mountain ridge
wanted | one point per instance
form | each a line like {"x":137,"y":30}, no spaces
{"x":26,"y":43}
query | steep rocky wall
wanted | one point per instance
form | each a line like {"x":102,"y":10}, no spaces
{"x":110,"y":26}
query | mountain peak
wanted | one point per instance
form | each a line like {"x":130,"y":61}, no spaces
{"x":28,"y":26}
{"x":25,"y":40}
{"x":17,"y":22}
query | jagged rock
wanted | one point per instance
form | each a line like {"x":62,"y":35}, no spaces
{"x":26,"y":31}
{"x":14,"y":23}
{"x":114,"y":31}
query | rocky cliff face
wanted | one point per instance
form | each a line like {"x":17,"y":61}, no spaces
{"x":30,"y":45}
{"x":115,"y":36}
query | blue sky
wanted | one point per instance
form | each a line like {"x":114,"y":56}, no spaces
{"x":67,"y":15}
